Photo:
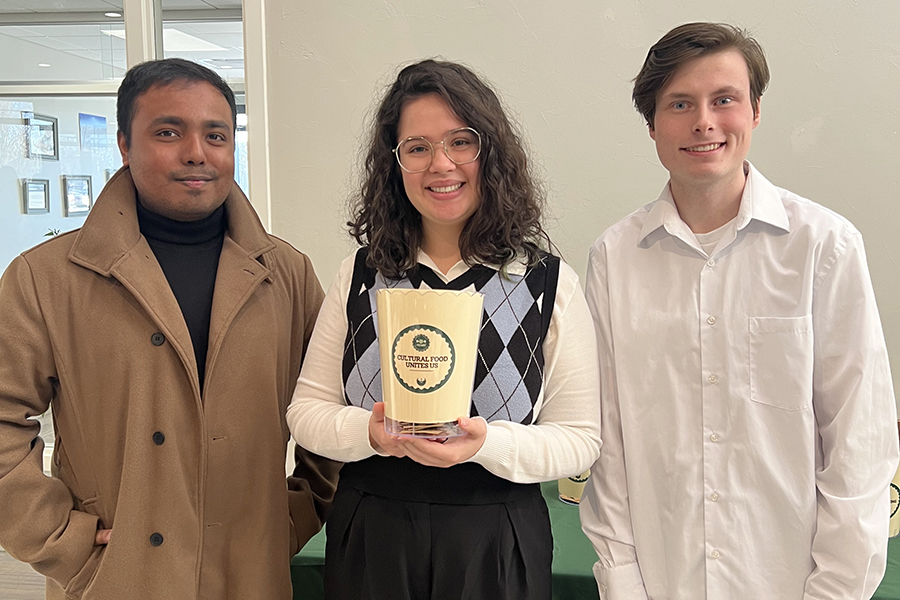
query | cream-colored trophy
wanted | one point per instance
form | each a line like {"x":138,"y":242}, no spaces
{"x":428,"y":341}
{"x":894,"y":527}
{"x":571,"y":488}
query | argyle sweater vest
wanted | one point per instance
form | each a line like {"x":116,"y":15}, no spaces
{"x":515,"y":320}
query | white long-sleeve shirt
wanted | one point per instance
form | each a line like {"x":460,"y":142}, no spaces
{"x":563,"y":440}
{"x":748,"y":414}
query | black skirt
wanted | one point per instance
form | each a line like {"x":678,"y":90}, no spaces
{"x":399,"y":530}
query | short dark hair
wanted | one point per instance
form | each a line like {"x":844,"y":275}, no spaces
{"x":687,"y":42}
{"x":508,"y":218}
{"x":146,"y":75}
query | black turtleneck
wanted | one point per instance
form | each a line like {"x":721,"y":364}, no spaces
{"x":188,"y":253}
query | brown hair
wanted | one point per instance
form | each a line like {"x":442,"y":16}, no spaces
{"x":508,"y":217}
{"x":687,"y":42}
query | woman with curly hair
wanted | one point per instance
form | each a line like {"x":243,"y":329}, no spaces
{"x":448,"y":202}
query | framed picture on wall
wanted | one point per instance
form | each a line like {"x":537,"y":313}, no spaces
{"x":77,"y":197}
{"x":36,"y":196}
{"x":43,"y":136}
{"x":92,"y":131}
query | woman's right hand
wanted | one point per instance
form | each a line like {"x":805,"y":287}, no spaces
{"x":381,"y":441}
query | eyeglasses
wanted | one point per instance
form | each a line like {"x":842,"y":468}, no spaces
{"x":462,"y":146}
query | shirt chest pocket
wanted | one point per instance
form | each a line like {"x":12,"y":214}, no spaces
{"x":781,"y":361}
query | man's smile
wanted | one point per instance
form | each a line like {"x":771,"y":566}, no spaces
{"x":705,"y":148}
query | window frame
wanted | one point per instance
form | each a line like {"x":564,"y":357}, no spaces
{"x":143,"y":20}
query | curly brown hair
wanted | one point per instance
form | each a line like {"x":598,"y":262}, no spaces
{"x":687,"y":42}
{"x":508,"y":218}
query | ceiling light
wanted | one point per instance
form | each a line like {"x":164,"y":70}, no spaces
{"x":45,"y":65}
{"x":225,"y":67}
{"x":113,"y":15}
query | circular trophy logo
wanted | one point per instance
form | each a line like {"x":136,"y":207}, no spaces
{"x":423,"y":358}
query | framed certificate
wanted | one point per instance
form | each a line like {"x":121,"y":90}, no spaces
{"x":35,"y":196}
{"x":77,"y":198}
{"x":43,"y":136}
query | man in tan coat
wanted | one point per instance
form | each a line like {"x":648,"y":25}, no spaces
{"x":166,"y":337}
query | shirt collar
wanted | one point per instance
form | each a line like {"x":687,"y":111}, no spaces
{"x":517,"y":267}
{"x":111,"y":228}
{"x":760,"y":201}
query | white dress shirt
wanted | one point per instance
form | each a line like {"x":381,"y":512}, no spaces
{"x":563,"y":440}
{"x":748,"y":414}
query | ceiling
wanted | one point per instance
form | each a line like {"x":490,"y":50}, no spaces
{"x":72,"y":40}
{"x":55,"y":6}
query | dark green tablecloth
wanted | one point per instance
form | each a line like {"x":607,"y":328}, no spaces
{"x":572,"y":557}
{"x":572,"y":560}
{"x":890,"y":585}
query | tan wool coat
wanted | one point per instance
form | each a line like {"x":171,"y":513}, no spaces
{"x":192,"y":485}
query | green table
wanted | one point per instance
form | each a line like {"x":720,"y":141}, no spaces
{"x":573,"y":557}
{"x":890,"y":585}
{"x":572,"y":560}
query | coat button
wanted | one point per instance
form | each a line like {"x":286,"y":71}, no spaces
{"x":159,"y":438}
{"x":157,"y":339}
{"x":156,"y":539}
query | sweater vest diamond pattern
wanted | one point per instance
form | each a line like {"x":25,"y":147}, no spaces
{"x":515,"y":320}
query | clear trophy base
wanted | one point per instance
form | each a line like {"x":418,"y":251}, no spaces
{"x":422,"y":430}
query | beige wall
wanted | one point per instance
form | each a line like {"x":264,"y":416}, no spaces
{"x":829,"y":127}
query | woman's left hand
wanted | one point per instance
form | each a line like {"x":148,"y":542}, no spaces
{"x":452,"y":451}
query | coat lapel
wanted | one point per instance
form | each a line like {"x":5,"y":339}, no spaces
{"x":110,"y":243}
{"x":245,"y":262}
{"x":140,"y":273}
{"x":237,"y":278}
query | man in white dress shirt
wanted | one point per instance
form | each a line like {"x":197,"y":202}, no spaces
{"x":748,"y":416}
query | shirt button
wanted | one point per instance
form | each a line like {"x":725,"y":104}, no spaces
{"x":715,"y":553}
{"x":714,"y":496}
{"x":714,"y":437}
{"x":156,"y":539}
{"x":159,"y":438}
{"x":711,"y":320}
{"x":710,"y":263}
{"x":713,"y":378}
{"x":157,"y":339}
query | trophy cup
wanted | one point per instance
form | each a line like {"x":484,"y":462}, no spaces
{"x":894,"y":524}
{"x":571,"y":488}
{"x":428,"y":341}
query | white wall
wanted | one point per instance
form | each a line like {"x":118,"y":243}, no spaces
{"x":829,"y":127}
